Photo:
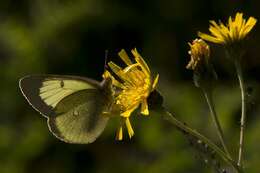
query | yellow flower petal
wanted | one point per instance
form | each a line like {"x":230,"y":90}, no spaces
{"x":250,"y":24}
{"x":155,"y":82}
{"x":129,"y":128}
{"x":107,"y":74}
{"x":239,"y":21}
{"x":115,"y":68}
{"x":234,"y":31}
{"x":123,"y":55}
{"x":133,"y":85}
{"x":140,"y":60}
{"x":216,"y":33}
{"x":224,"y":29}
{"x":199,"y":54}
{"x":130,"y":67}
{"x":144,"y":108}
{"x":128,"y":112}
{"x":209,"y":38}
{"x":119,"y":134}
{"x":215,"y":29}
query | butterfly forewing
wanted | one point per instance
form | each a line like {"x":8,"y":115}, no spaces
{"x":73,"y":105}
{"x":43,"y":92}
{"x":53,"y":91}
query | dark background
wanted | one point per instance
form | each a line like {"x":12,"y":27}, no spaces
{"x":70,"y":37}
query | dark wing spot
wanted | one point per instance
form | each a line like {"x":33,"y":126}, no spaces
{"x":62,"y":83}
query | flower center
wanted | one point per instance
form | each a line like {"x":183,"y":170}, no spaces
{"x":136,"y":88}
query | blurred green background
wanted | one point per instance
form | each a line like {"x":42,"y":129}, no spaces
{"x":70,"y":37}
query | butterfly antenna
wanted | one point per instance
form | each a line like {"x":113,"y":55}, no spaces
{"x":106,"y":67}
{"x":106,"y":57}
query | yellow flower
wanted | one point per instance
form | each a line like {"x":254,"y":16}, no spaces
{"x":132,"y":86}
{"x":199,"y":52}
{"x":235,"y":31}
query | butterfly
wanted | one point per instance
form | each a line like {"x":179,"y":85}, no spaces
{"x":74,"y":106}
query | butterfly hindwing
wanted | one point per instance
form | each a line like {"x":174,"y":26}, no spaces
{"x":78,"y":117}
{"x":73,"y":105}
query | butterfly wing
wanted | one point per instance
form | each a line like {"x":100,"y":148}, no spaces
{"x":61,"y":98}
{"x":78,"y":117}
{"x":43,"y":92}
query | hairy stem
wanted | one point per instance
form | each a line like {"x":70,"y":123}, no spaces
{"x":183,"y":127}
{"x":214,"y":116}
{"x":243,"y":112}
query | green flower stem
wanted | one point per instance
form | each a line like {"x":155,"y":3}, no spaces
{"x":183,"y":127}
{"x":208,"y":97}
{"x":243,"y":112}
